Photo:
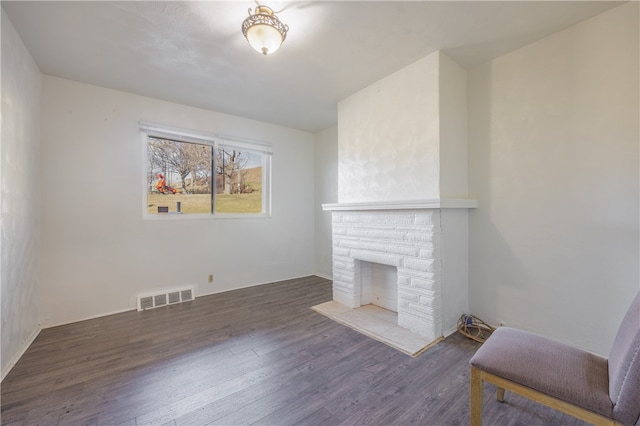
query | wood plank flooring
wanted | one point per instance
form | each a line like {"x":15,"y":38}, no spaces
{"x":259,"y":356}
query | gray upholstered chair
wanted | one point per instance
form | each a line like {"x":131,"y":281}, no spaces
{"x":578,"y":383}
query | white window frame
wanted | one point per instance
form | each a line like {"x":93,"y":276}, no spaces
{"x":159,"y":131}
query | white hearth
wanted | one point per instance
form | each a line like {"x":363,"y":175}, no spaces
{"x":426,"y":241}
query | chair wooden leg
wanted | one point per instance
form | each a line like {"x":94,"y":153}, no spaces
{"x":475,"y":397}
{"x":500,"y":394}
{"x":539,"y":397}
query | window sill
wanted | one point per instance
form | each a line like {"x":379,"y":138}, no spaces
{"x":182,"y":216}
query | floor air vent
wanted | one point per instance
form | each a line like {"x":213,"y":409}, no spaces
{"x":169,"y":297}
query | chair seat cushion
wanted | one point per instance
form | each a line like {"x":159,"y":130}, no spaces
{"x":550,"y":367}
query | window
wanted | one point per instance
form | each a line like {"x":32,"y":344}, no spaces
{"x":190,"y":173}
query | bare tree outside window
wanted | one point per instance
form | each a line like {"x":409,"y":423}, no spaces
{"x":190,"y":177}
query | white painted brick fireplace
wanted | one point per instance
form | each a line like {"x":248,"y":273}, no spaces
{"x":405,"y":138}
{"x":426,"y":241}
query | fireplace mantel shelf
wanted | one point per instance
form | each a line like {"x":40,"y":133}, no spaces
{"x":440,"y":203}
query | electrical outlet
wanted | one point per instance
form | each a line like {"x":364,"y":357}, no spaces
{"x":210,"y":278}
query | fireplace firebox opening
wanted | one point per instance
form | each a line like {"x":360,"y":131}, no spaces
{"x":378,"y":285}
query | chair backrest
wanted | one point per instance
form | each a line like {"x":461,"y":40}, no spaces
{"x":624,"y":367}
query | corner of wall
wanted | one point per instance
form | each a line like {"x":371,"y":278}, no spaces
{"x":452,"y":83}
{"x":7,"y":366}
{"x":20,"y":176}
{"x":326,"y":191}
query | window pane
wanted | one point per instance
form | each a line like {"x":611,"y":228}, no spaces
{"x":195,"y":173}
{"x":238,"y":180}
{"x":179,"y":177}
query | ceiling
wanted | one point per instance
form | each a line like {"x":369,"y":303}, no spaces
{"x":193,"y":53}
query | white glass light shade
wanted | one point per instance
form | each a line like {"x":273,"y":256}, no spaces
{"x":264,"y":31}
{"x":264,"y":38}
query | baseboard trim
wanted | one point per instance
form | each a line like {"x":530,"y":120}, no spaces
{"x":6,"y":369}
{"x":450,"y":331}
{"x":326,"y":277}
{"x":44,"y":324}
{"x":258,"y":284}
{"x":50,"y":325}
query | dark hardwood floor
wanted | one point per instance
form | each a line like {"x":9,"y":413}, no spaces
{"x":253,"y":356}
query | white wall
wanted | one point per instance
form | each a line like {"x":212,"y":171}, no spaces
{"x":453,"y":184}
{"x":326,"y":169}
{"x":454,"y":246}
{"x":97,"y":252}
{"x":553,"y":153}
{"x":21,"y":98}
{"x":453,"y":129}
{"x":405,"y":136}
{"x":389,"y":137}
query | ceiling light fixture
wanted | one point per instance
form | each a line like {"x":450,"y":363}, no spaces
{"x":264,"y":31}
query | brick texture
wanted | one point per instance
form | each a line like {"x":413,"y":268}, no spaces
{"x":406,"y":239}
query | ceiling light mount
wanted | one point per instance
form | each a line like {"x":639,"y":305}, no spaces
{"x":263,"y":30}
